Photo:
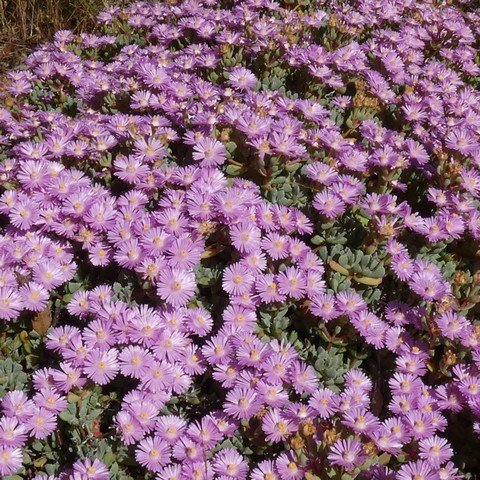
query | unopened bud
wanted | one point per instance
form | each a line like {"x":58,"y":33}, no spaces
{"x":308,"y":429}
{"x":330,"y":436}
{"x":460,"y":277}
{"x":297,"y":442}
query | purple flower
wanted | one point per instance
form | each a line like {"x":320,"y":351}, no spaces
{"x":153,"y":453}
{"x":329,"y":204}
{"x":435,"y":450}
{"x":288,"y":468}
{"x":242,"y":78}
{"x":276,"y":427}
{"x":242,"y":403}
{"x":12,"y":432}
{"x":42,"y":423}
{"x":461,"y":141}
{"x":91,"y":470}
{"x":176,"y":286}
{"x":230,"y":463}
{"x":292,"y":283}
{"x":101,"y":366}
{"x":10,"y":303}
{"x":237,"y":279}
{"x":209,"y":152}
{"x":245,"y":237}
{"x":347,"y":453}
{"x":10,"y":460}
{"x":416,"y":470}
{"x":451,"y":324}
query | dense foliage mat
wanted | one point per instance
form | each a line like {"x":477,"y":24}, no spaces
{"x":240,"y":239}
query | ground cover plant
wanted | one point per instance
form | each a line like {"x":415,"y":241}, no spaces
{"x":240,"y":240}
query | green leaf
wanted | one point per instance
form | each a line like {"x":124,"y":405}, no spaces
{"x":235,"y":170}
{"x":338,"y":268}
{"x":370,"y":281}
{"x":74,"y":286}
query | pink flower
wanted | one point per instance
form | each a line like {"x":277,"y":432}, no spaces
{"x":209,"y":152}
{"x":10,"y":460}
{"x":130,"y":430}
{"x":245,"y":237}
{"x":435,"y":450}
{"x":231,"y":464}
{"x":153,"y":453}
{"x":275,"y":427}
{"x":42,"y":423}
{"x":347,"y":453}
{"x":90,"y":470}
{"x":242,"y":403}
{"x":10,"y":303}
{"x":176,"y":286}
{"x":237,"y":279}
{"x":101,"y":366}
{"x":324,"y":402}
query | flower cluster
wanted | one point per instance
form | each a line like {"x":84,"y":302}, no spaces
{"x":210,"y":203}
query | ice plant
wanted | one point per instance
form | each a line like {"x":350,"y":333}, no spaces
{"x":239,"y":241}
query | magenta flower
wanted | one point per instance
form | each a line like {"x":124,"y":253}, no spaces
{"x":176,"y":286}
{"x":91,"y":470}
{"x":435,"y":450}
{"x":245,"y":237}
{"x":237,"y":279}
{"x":347,"y":453}
{"x":275,"y":427}
{"x":230,"y":463}
{"x":323,"y":401}
{"x":242,"y":403}
{"x":10,"y":303}
{"x":42,"y":423}
{"x":10,"y":460}
{"x":153,"y":453}
{"x":209,"y":152}
{"x":416,"y":470}
{"x":101,"y":366}
{"x":288,"y":468}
